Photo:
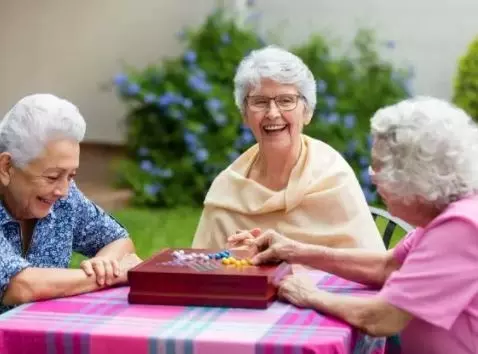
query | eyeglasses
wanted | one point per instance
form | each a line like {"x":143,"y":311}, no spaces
{"x":285,"y":102}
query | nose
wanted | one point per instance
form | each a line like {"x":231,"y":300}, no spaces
{"x":273,"y":112}
{"x":61,"y":189}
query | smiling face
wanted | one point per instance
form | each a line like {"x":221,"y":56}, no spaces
{"x":276,"y":124}
{"x":30,"y":192}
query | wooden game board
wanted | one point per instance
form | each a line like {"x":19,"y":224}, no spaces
{"x":163,"y":280}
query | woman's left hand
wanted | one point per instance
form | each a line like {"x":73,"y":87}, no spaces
{"x":297,"y":289}
{"x":105,"y":269}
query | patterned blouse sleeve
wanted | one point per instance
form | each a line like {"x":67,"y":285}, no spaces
{"x":10,"y":264}
{"x":94,"y":228}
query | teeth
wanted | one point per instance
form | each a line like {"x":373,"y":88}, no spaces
{"x":274,"y":127}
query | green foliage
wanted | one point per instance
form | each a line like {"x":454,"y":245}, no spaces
{"x":183,"y":126}
{"x":466,"y":81}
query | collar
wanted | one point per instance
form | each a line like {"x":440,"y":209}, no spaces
{"x":6,"y":217}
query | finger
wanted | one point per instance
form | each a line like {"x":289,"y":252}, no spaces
{"x":100,"y":273}
{"x":256,"y":232}
{"x":109,"y":275}
{"x":263,"y":241}
{"x":116,"y":268}
{"x":263,"y":257}
{"x":87,"y":267}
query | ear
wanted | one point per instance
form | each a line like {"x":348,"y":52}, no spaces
{"x":5,"y":168}
{"x":308,"y":116}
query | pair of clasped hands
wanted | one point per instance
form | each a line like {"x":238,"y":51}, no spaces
{"x":110,"y":271}
{"x":268,"y":247}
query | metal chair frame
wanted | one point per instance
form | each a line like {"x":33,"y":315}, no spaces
{"x":392,"y":223}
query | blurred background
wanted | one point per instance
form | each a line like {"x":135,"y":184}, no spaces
{"x":153,"y":80}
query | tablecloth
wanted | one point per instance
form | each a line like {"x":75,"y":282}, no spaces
{"x":104,"y":322}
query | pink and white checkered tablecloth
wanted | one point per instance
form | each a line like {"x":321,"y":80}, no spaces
{"x":104,"y":322}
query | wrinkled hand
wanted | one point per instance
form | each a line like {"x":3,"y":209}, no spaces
{"x":110,"y":271}
{"x":105,"y":269}
{"x":274,"y":247}
{"x":297,"y":289}
{"x":242,"y":239}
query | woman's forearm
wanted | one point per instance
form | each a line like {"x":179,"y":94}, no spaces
{"x":117,"y":249}
{"x":371,"y":315}
{"x":32,"y":284}
{"x":358,"y":265}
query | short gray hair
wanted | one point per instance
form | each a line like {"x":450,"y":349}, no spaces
{"x":427,"y":148}
{"x":34,"y":121}
{"x":278,"y":65}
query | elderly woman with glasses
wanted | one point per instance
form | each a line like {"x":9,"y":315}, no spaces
{"x":290,"y":182}
{"x":424,"y":167}
{"x":44,"y":217}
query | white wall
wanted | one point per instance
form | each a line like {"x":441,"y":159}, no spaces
{"x":71,"y":47}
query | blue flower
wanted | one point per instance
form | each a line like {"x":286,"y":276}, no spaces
{"x":365,"y":177}
{"x":187,"y":103}
{"x":146,"y":165}
{"x":332,"y":118}
{"x":233,"y":155}
{"x":131,"y":89}
{"x":201,"y":155}
{"x":364,"y":161}
{"x":213,"y":105}
{"x":152,"y":189}
{"x":370,"y":196}
{"x":369,"y":141}
{"x":143,"y":151}
{"x":199,"y":83}
{"x":349,"y":121}
{"x":321,"y":86}
{"x":168,"y":98}
{"x":220,"y":119}
{"x":351,"y":148}
{"x":331,"y":101}
{"x":149,"y":98}
{"x":120,"y":79}
{"x":247,"y":137}
{"x":190,"y":139}
{"x":225,"y":38}
{"x":190,"y":56}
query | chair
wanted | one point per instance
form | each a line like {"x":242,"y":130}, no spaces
{"x":391,"y":224}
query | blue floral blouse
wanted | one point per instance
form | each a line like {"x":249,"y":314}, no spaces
{"x":73,"y":224}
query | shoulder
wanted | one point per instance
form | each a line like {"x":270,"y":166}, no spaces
{"x":324,"y":157}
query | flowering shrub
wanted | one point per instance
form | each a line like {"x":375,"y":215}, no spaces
{"x":466,"y":82}
{"x":183,"y":126}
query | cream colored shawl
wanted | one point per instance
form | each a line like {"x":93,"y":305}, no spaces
{"x":322,"y":202}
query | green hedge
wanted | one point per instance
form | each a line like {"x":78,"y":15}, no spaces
{"x":466,"y":81}
{"x":183,"y":126}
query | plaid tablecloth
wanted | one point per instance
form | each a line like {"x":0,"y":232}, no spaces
{"x":104,"y":322}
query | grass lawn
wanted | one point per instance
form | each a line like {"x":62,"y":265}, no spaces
{"x":152,"y":230}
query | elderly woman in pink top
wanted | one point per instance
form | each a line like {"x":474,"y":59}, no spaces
{"x":424,"y":164}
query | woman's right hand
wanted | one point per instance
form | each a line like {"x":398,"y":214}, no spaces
{"x":125,"y":264}
{"x":273,"y":247}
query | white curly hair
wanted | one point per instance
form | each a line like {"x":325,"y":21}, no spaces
{"x":34,"y":121}
{"x":425,"y":147}
{"x":276,"y":64}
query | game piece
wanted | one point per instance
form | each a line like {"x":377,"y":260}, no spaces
{"x":203,"y":278}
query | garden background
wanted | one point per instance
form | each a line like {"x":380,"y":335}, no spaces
{"x":154,"y":80}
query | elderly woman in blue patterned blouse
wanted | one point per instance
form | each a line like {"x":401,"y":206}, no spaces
{"x":44,"y":217}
